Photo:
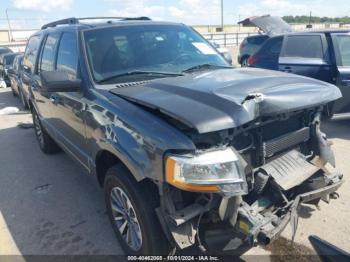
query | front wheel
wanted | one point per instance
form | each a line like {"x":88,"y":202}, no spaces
{"x":131,"y":210}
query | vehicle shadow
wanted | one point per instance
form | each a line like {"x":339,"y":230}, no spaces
{"x":48,"y":206}
{"x":284,"y":249}
{"x":337,"y":129}
{"x":305,"y":211}
{"x":7,"y":99}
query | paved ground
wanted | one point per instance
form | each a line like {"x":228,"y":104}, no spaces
{"x":48,"y":206}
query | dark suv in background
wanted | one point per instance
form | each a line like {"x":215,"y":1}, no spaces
{"x":324,"y":55}
{"x":269,"y":26}
{"x":15,"y":75}
{"x":189,"y":151}
{"x":6,"y":61}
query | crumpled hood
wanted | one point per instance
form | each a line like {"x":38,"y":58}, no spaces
{"x":228,"y":98}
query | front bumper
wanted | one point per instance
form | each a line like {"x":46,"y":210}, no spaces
{"x":252,"y":227}
{"x":267,"y":236}
{"x":235,"y":223}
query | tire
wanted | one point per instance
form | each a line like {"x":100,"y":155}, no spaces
{"x":13,"y":92}
{"x":46,"y":143}
{"x":23,"y":99}
{"x":244,"y":61}
{"x":120,"y":184}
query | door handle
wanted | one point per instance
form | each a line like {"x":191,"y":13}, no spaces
{"x":345,"y":82}
{"x":287,"y":69}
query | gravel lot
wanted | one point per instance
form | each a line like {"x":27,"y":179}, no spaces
{"x":47,"y":206}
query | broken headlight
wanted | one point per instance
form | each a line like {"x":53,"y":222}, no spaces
{"x":216,"y":171}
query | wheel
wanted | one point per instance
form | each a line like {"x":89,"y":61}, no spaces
{"x":13,"y":92}
{"x":131,"y":210}
{"x":244,"y":61}
{"x":46,"y":143}
{"x":22,"y":98}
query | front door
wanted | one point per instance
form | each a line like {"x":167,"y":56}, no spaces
{"x":67,"y":108}
{"x":307,"y":55}
{"x":341,"y":43}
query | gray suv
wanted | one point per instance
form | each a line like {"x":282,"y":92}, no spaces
{"x":189,"y":151}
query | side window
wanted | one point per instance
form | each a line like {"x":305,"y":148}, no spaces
{"x":272,"y":46}
{"x":67,"y":56}
{"x":257,"y":40}
{"x":48,"y":53}
{"x":306,"y":46}
{"x":276,"y":45}
{"x":31,"y":52}
{"x":341,"y":43}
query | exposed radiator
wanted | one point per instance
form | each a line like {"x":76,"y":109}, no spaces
{"x":286,"y":141}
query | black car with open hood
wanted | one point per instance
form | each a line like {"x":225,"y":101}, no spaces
{"x":189,"y":151}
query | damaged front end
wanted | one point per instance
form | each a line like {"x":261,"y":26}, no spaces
{"x":243,"y":186}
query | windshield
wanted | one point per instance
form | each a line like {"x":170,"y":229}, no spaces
{"x":168,"y":49}
{"x":342,"y":49}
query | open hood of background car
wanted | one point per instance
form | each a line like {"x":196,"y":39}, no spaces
{"x":270,"y":25}
{"x":228,"y":98}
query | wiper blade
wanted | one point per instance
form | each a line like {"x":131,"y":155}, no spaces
{"x":138,"y":72}
{"x":204,"y":66}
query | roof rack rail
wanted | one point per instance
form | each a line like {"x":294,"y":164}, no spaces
{"x":73,"y":20}
{"x":66,"y":21}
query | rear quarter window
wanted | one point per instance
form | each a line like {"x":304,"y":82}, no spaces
{"x":305,"y":46}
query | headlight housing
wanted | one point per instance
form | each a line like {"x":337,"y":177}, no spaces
{"x":215,"y":171}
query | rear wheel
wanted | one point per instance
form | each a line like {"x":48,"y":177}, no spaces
{"x":23,"y":99}
{"x":46,"y":143}
{"x":131,"y":209}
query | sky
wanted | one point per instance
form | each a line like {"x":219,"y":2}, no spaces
{"x":33,"y":13}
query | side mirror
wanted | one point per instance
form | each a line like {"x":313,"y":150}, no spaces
{"x":58,"y":81}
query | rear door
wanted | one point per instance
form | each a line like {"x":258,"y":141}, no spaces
{"x":341,"y":45}
{"x":307,"y":55}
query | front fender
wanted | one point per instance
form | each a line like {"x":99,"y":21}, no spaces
{"x":136,"y":137}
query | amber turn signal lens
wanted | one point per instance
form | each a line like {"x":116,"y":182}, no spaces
{"x":170,"y":178}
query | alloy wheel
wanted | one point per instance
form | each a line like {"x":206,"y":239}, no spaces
{"x":125,"y":218}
